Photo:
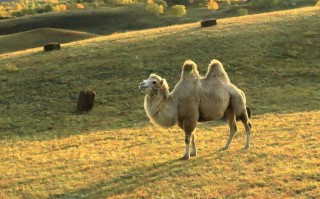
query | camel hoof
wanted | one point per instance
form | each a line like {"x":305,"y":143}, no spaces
{"x":185,"y":157}
{"x":224,"y":148}
{"x":246,"y":148}
{"x":193,"y":154}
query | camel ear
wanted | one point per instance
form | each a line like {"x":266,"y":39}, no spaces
{"x":161,"y":82}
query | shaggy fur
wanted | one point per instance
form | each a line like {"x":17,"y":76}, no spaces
{"x":196,"y":99}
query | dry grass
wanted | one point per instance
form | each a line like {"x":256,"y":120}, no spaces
{"x":49,"y":152}
{"x":284,"y":162}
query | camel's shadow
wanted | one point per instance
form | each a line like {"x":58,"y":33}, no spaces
{"x":128,"y":182}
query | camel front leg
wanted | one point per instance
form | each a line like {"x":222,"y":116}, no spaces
{"x":188,"y":128}
{"x":186,"y":155}
{"x":193,"y":143}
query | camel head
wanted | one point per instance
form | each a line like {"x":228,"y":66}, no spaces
{"x":153,"y":84}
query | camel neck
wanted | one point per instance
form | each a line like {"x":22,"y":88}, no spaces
{"x":160,"y":109}
{"x":161,"y":93}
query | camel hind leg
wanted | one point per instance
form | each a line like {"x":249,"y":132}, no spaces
{"x":242,"y":113}
{"x":193,"y":144}
{"x":233,"y":128}
{"x":247,"y":125}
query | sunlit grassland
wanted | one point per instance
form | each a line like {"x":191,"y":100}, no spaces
{"x":48,"y":151}
{"x":284,"y":162}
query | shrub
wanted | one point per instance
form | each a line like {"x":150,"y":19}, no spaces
{"x":18,"y":7}
{"x":24,"y":12}
{"x":178,"y":10}
{"x":71,"y":6}
{"x":41,"y":8}
{"x":62,"y":7}
{"x":80,"y":6}
{"x":2,"y":11}
{"x":212,"y":5}
{"x":119,"y":2}
{"x":242,"y":11}
{"x":162,"y":3}
{"x":154,"y":8}
{"x":48,"y":7}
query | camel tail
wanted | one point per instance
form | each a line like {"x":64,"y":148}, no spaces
{"x":189,"y":68}
{"x":249,"y":111}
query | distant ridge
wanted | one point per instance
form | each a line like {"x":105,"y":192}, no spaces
{"x":39,"y":37}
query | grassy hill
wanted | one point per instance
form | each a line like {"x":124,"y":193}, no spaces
{"x":74,"y":25}
{"x":110,"y":19}
{"x":39,"y":37}
{"x":113,"y":151}
{"x":104,"y":20}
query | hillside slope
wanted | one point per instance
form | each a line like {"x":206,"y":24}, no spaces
{"x":274,"y":55}
{"x":51,"y":152}
{"x":38,"y":38}
{"x":110,"y":19}
{"x":104,"y":20}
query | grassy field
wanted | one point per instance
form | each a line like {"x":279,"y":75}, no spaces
{"x":48,"y":151}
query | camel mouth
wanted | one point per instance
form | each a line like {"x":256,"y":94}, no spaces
{"x":142,"y":88}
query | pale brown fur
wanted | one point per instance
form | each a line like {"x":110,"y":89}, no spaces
{"x":196,"y":99}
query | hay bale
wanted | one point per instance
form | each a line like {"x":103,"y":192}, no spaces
{"x":208,"y":23}
{"x":85,"y":100}
{"x":51,"y":47}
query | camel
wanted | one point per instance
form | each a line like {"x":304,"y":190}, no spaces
{"x":196,"y":99}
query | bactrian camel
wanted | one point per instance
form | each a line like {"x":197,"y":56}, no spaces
{"x":196,"y":99}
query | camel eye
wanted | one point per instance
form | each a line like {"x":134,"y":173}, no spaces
{"x":154,"y":82}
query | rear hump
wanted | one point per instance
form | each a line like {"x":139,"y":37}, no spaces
{"x":215,"y":69}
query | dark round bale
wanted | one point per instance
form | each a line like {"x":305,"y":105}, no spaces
{"x":208,"y":23}
{"x":51,"y":47}
{"x":85,"y":100}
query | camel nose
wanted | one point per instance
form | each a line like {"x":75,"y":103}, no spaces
{"x":141,"y":86}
